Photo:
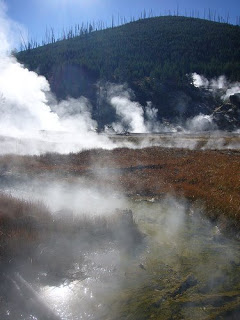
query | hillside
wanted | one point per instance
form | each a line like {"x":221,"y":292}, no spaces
{"x":153,"y":56}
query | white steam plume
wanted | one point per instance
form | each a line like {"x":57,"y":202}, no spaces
{"x":218,"y":85}
{"x":34,"y":123}
{"x":23,"y":105}
{"x":25,"y":110}
{"x":133,"y":119}
{"x":130,"y":113}
{"x":201,"y":123}
{"x":10,"y":31}
{"x":152,"y":123}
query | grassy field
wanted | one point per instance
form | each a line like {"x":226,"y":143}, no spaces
{"x":210,"y":178}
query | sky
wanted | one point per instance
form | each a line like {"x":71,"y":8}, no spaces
{"x":37,"y":15}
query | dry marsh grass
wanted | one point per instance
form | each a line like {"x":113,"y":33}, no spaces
{"x":21,"y":224}
{"x":211,"y":176}
{"x":26,"y":227}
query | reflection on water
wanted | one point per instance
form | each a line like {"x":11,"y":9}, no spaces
{"x":68,"y":297}
{"x":185,"y":266}
{"x":182,"y":266}
{"x":85,"y":299}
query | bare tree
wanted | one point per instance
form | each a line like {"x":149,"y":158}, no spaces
{"x":23,"y":42}
{"x":177,"y":10}
{"x":227,"y":19}
{"x":112,"y":21}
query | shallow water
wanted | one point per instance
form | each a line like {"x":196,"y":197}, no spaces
{"x":184,"y":269}
{"x":220,"y":140}
{"x":64,"y":142}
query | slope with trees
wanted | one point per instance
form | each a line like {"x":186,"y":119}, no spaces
{"x":153,"y":56}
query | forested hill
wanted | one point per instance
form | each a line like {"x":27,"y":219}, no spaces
{"x":152,"y":55}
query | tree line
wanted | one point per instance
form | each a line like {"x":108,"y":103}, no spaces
{"x":81,"y":29}
{"x":154,"y":56}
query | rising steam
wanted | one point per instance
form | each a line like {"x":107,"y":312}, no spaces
{"x":88,"y":256}
{"x":28,"y":110}
{"x":220,"y":85}
{"x":36,"y":123}
{"x":132,"y":116}
{"x":23,"y":103}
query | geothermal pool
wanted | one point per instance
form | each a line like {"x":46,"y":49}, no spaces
{"x":40,"y":142}
{"x":183,"y":268}
{"x":189,"y":140}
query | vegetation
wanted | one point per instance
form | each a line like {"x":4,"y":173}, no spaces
{"x":167,"y":280}
{"x":153,"y":56}
{"x":89,"y":27}
{"x":45,"y":249}
{"x":209,"y":178}
{"x":162,"y":48}
{"x":24,"y":226}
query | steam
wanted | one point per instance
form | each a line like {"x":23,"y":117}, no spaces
{"x":30,"y":114}
{"x":23,"y":103}
{"x":33,"y":122}
{"x":132,"y":116}
{"x":130,"y":113}
{"x":92,"y":270}
{"x":9,"y":31}
{"x":181,"y":243}
{"x":78,"y":197}
{"x":201,"y":123}
{"x":152,"y":122}
{"x":220,"y":85}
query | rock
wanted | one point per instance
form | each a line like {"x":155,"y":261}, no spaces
{"x":227,"y":117}
{"x":235,"y":99}
{"x":189,"y":282}
{"x":142,"y":266}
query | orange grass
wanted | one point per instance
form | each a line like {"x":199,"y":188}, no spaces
{"x":21,"y":233}
{"x":211,"y":176}
{"x":20,"y":225}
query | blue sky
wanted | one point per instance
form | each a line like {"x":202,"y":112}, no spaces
{"x":36,"y":15}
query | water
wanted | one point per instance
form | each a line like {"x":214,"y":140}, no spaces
{"x":64,"y":142}
{"x":220,"y":140}
{"x":184,"y":269}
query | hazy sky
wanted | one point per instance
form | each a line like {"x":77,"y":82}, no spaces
{"x":36,"y":15}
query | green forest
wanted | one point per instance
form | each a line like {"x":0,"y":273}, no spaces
{"x":153,"y":56}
